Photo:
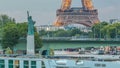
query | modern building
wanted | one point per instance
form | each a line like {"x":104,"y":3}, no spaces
{"x":55,"y":28}
{"x":112,"y":21}
{"x":81,"y":27}
{"x":48,"y":28}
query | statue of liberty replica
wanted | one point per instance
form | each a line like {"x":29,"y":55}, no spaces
{"x":30,"y":36}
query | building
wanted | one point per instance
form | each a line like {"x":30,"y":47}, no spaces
{"x":48,"y":28}
{"x":112,"y":21}
{"x":55,"y":28}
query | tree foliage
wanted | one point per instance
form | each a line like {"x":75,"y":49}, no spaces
{"x":38,"y":41}
{"x":106,"y":30}
{"x":61,"y":33}
{"x":22,"y":29}
{"x":97,"y":29}
{"x":10,"y":35}
{"x":4,"y":19}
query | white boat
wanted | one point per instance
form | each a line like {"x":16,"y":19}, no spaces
{"x":34,"y":62}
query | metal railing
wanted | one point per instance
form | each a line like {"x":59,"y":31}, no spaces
{"x":77,"y":38}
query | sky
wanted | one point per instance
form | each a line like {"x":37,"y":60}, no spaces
{"x":44,"y":11}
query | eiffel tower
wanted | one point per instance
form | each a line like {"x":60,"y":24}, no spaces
{"x":85,"y":15}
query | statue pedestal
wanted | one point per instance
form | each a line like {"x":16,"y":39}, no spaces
{"x":30,"y":45}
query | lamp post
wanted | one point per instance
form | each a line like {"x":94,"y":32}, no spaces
{"x":48,"y":49}
{"x":1,"y":29}
{"x":48,"y":31}
{"x":116,"y":33}
{"x":94,"y":33}
{"x":100,"y":31}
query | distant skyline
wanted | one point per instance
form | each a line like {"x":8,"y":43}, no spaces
{"x":44,"y":11}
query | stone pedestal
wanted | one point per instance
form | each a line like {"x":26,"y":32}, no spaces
{"x":30,"y":45}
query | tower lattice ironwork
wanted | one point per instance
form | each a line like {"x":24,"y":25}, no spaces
{"x":85,"y":15}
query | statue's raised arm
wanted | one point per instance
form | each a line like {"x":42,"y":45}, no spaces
{"x":30,"y":25}
{"x":28,"y":13}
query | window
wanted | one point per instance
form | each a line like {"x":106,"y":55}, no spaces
{"x":62,"y":67}
{"x":97,"y":65}
{"x":33,"y":64}
{"x":2,"y":64}
{"x":103,"y":65}
{"x":43,"y":64}
{"x":16,"y":64}
{"x":26,"y":64}
{"x":10,"y":63}
{"x":100,"y":65}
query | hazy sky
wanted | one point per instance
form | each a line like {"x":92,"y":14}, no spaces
{"x":44,"y":11}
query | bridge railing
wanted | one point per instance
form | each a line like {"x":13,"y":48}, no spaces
{"x":56,"y":38}
{"x":76,"y":38}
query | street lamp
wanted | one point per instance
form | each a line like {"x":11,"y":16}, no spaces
{"x":1,"y":29}
{"x":116,"y":33}
{"x":100,"y":31}
{"x":48,"y":29}
{"x":48,"y":48}
{"x":94,"y":33}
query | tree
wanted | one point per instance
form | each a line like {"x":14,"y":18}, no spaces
{"x":111,"y":30}
{"x":4,"y":19}
{"x":75,"y":31}
{"x":117,"y":25}
{"x":22,"y":29}
{"x":10,"y":35}
{"x":62,"y":33}
{"x":38,"y":42}
{"x":97,"y":29}
{"x":42,"y":33}
{"x":105,"y":31}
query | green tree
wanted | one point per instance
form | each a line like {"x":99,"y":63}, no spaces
{"x":10,"y":35}
{"x":97,"y":29}
{"x":75,"y":31}
{"x":111,"y":30}
{"x":62,"y":33}
{"x":42,"y":33}
{"x":22,"y":29}
{"x":117,"y":30}
{"x":105,"y":31}
{"x":4,"y":19}
{"x":38,"y":42}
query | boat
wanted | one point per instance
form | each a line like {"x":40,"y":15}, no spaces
{"x":36,"y":62}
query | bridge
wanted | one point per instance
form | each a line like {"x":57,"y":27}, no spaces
{"x":80,"y":39}
{"x":70,"y":42}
